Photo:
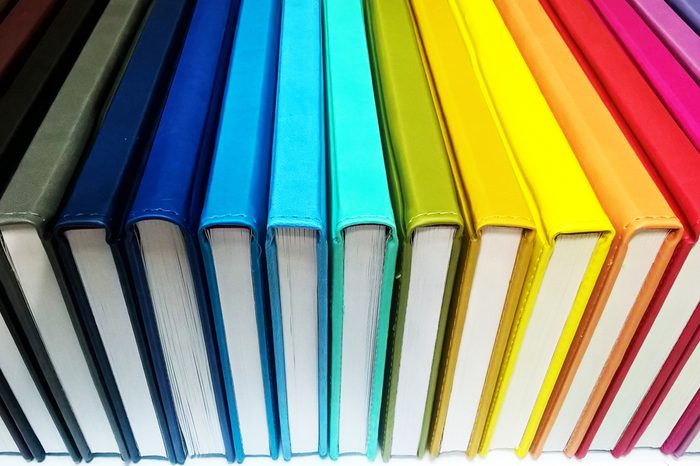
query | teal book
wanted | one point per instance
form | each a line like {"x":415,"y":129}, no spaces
{"x":364,"y":242}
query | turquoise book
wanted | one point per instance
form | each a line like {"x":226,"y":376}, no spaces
{"x":363,"y":241}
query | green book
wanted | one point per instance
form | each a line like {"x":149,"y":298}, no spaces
{"x":429,"y":222}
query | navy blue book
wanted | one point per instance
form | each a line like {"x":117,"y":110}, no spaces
{"x":161,"y":237}
{"x":88,"y":235}
{"x":12,"y":441}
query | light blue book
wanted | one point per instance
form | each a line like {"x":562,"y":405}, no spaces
{"x":296,"y":249}
{"x":232,"y":230}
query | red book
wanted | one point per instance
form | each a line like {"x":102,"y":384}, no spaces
{"x":674,"y":163}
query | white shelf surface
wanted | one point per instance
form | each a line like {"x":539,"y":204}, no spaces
{"x":639,"y":457}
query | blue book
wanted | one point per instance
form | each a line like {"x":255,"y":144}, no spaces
{"x":296,"y":249}
{"x":161,"y":237}
{"x":88,"y":234}
{"x":232,"y":230}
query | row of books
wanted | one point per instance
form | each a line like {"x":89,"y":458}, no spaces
{"x":234,"y":228}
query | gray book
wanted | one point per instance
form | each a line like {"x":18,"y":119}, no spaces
{"x":48,"y":362}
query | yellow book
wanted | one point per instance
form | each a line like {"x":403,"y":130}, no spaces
{"x":499,"y":235}
{"x":573,"y":232}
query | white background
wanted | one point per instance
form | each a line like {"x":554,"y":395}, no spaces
{"x":642,"y":457}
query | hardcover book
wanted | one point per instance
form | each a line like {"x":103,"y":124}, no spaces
{"x":573,"y":234}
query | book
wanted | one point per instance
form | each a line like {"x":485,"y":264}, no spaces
{"x":572,"y":243}
{"x":296,"y":249}
{"x":498,"y":236}
{"x":676,"y":89}
{"x":647,"y":229}
{"x":429,"y":225}
{"x":669,"y":424}
{"x":27,"y":98}
{"x":4,"y":5}
{"x":54,"y":370}
{"x":34,"y":193}
{"x":11,"y":438}
{"x":678,"y":37}
{"x":88,"y":232}
{"x":671,"y":316}
{"x":161,"y":236}
{"x":232,"y":231}
{"x":20,"y":29}
{"x":363,"y":234}
{"x":689,"y":10}
{"x":650,"y":128}
{"x":33,"y":411}
{"x":684,"y":436}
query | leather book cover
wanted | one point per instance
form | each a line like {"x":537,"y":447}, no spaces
{"x":297,"y":195}
{"x":174,"y":180}
{"x":674,"y":86}
{"x":20,"y":28}
{"x":651,"y":129}
{"x":678,"y":37}
{"x":30,"y":94}
{"x":106,"y":182}
{"x":489,"y":194}
{"x":35,"y":191}
{"x":627,"y":193}
{"x":359,"y":194}
{"x":539,"y":150}
{"x":237,"y":194}
{"x":420,"y":180}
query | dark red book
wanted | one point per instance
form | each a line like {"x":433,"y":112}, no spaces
{"x":19,"y":30}
{"x":674,"y":163}
{"x":685,"y":431}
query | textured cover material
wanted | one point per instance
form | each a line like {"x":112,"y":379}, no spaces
{"x":107,"y":180}
{"x":35,"y":191}
{"x":685,"y":431}
{"x":556,"y":188}
{"x":677,"y":36}
{"x":12,"y":405}
{"x":53,"y":55}
{"x":666,"y":152}
{"x":359,"y":191}
{"x":4,"y":5}
{"x":238,"y":184}
{"x":420,"y":179}
{"x":174,"y":180}
{"x":626,"y":191}
{"x":298,"y":184}
{"x":19,"y":31}
{"x":675,"y":87}
{"x":660,"y":387}
{"x":679,"y":385}
{"x":489,"y":194}
{"x":12,"y":417}
{"x":29,"y":95}
{"x":689,"y":10}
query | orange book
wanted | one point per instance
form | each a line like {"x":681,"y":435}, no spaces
{"x":647,"y":229}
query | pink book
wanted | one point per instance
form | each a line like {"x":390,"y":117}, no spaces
{"x":676,"y":35}
{"x":685,"y":431}
{"x":678,"y":91}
